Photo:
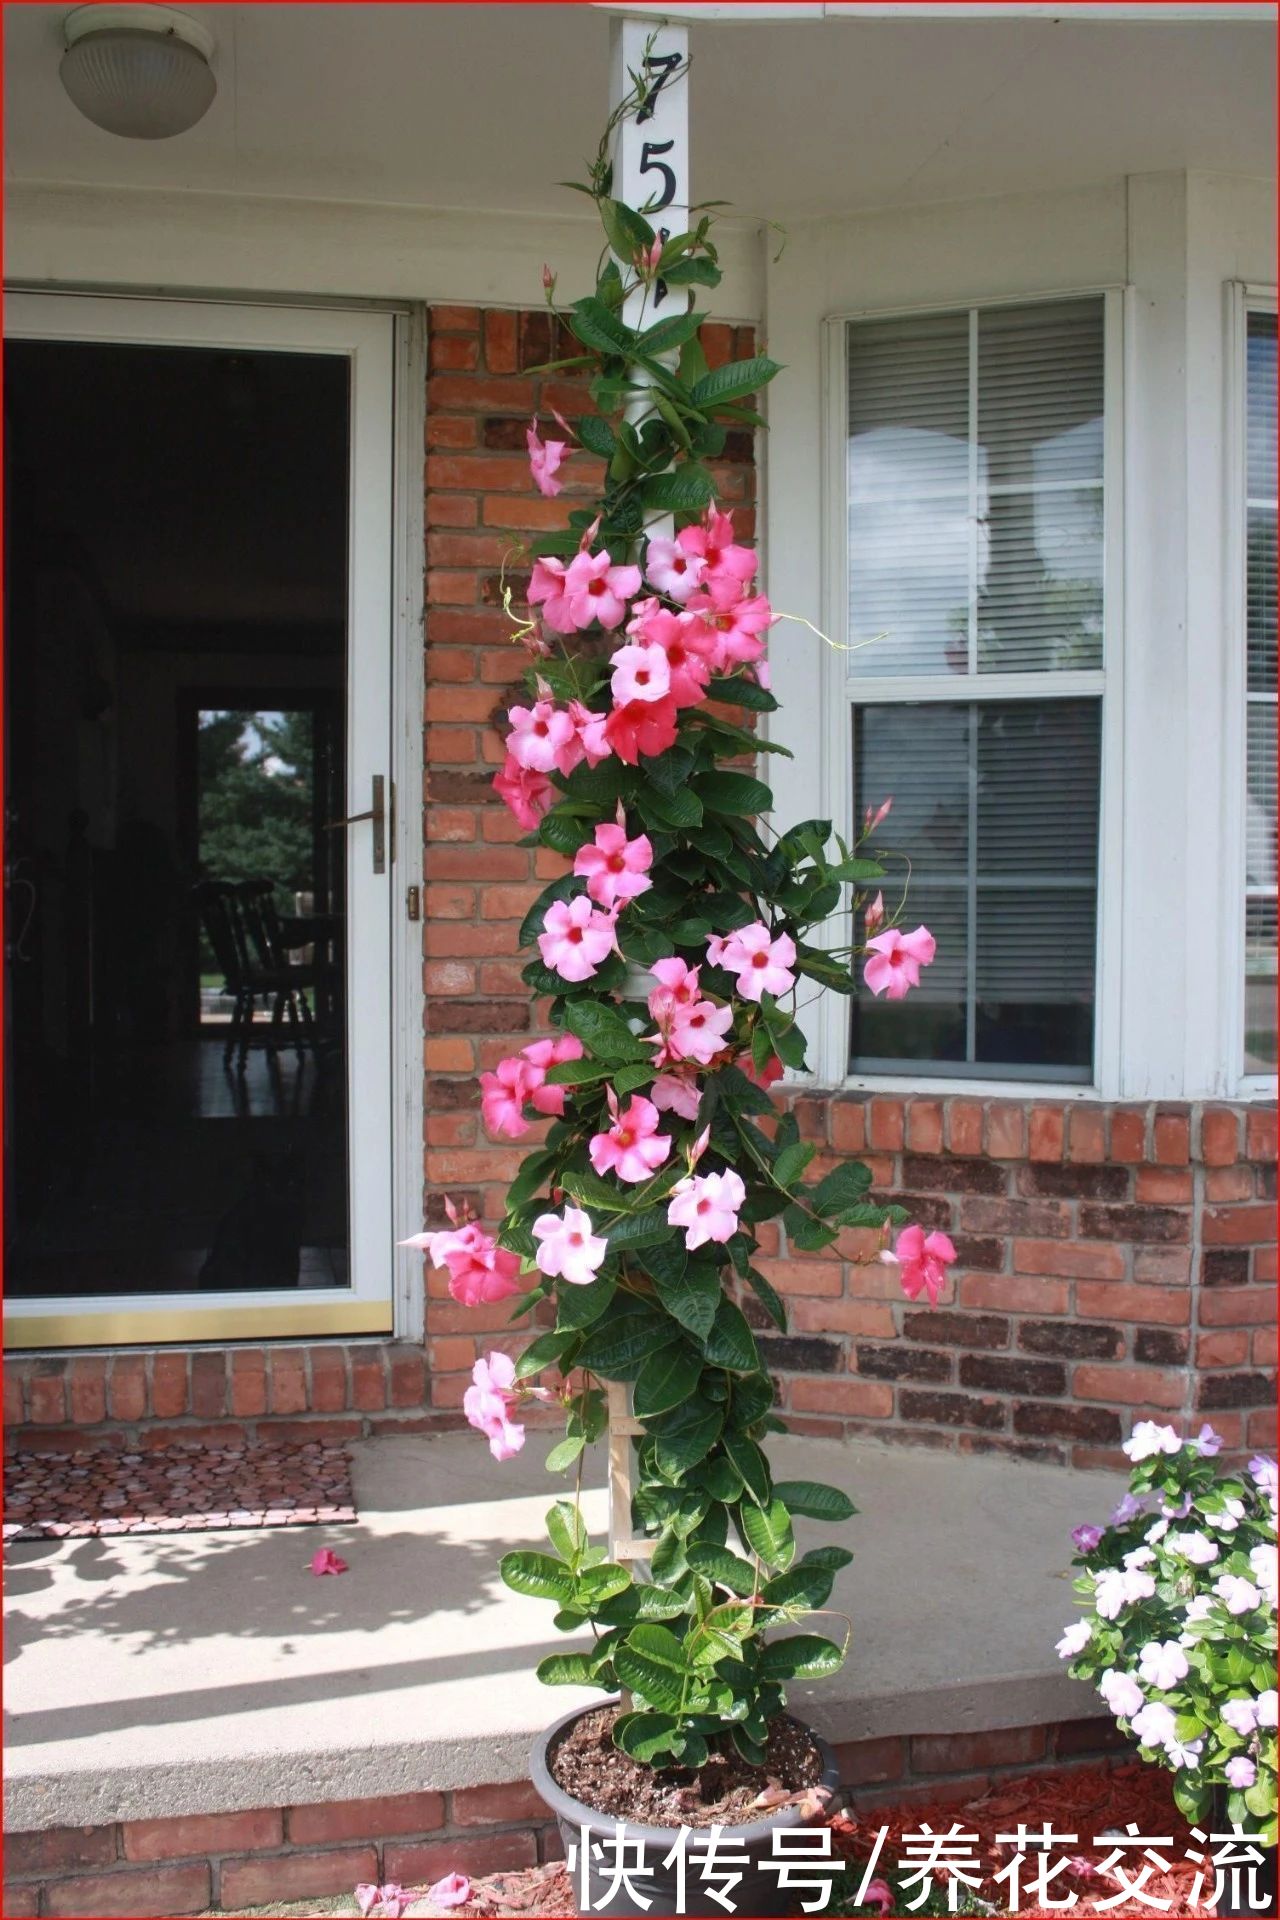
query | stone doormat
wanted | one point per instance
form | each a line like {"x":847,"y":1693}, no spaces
{"x":71,"y":1496}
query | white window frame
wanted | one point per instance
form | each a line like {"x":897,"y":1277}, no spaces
{"x":830,"y":1051}
{"x":1243,"y":298}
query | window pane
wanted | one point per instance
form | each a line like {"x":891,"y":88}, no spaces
{"x":1261,"y":378}
{"x":995,"y":806}
{"x":1261,"y":587}
{"x":975,"y":460}
{"x":1260,"y":655}
{"x":1260,"y":987}
{"x":1260,"y":803}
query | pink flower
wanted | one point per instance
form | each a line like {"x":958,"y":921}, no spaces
{"x":615,"y":869}
{"x":391,"y":1901}
{"x":879,"y":1894}
{"x":453,"y":1891}
{"x":766,"y":1076}
{"x":542,"y":1054}
{"x":640,"y":673}
{"x":541,"y":737}
{"x":874,"y":914}
{"x":548,"y":589}
{"x":712,"y":543}
{"x":503,"y":1094}
{"x":591,"y":734}
{"x":325,"y":1560}
{"x":649,"y":259}
{"x":597,"y":590}
{"x":706,"y":1206}
{"x":677,"y":986}
{"x":924,"y":1262}
{"x":726,"y":629}
{"x":575,"y":939}
{"x":697,"y":1033}
{"x":896,"y":960}
{"x":544,"y":459}
{"x":480,"y":1271}
{"x":488,"y":1401}
{"x":641,"y":726}
{"x":569,"y":1250}
{"x":1085,"y":1538}
{"x":528,"y":794}
{"x":673,"y":1095}
{"x":687,"y":671}
{"x":761,"y":963}
{"x":671,"y":569}
{"x":632,"y":1148}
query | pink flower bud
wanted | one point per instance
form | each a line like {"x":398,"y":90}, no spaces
{"x":875,"y":913}
{"x":871,"y":820}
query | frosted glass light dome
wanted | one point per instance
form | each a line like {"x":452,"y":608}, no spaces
{"x":139,"y":71}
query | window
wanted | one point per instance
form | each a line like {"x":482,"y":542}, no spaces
{"x":1260,"y":683}
{"x":975,"y":475}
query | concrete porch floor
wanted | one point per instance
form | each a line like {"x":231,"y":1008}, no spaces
{"x":213,"y":1672}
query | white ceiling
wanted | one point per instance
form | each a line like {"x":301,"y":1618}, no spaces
{"x":488,"y":106}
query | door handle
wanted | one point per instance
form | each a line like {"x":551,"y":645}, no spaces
{"x":377,"y":813}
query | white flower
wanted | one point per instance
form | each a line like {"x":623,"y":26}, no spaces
{"x":1157,"y":1532}
{"x":1121,"y":1692}
{"x":1182,"y":1754}
{"x":1074,"y":1639}
{"x":1154,"y":1724}
{"x":1238,"y":1594}
{"x":1240,"y":1715}
{"x":1196,"y":1547}
{"x":1140,"y":1557}
{"x":1117,"y":1587}
{"x":1162,"y":1663}
{"x":1262,"y":1559}
{"x":1199,"y":1607}
{"x":1265,"y":1708}
{"x":1129,"y":1509}
{"x":1147,"y":1438}
{"x":1229,"y":1519}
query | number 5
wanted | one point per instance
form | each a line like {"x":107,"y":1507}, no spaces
{"x":649,"y":163}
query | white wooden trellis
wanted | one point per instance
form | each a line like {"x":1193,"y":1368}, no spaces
{"x":651,"y":174}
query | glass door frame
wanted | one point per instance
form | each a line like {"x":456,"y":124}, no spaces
{"x":384,"y":676}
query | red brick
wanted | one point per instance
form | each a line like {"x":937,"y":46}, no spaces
{"x":1068,"y":1260}
{"x":288,"y":1380}
{"x":924,"y":1126}
{"x":1262,"y":1428}
{"x":20,"y":1901}
{"x":1172,"y":1135}
{"x":248,"y":1382}
{"x":135,"y":1896}
{"x":408,"y":1383}
{"x":1264,"y":1347}
{"x":871,"y":1400}
{"x":1222,"y":1349}
{"x":368,"y":1381}
{"x":1087,"y":1135}
{"x":295,"y":1876}
{"x":328,"y":1379}
{"x":1128,"y":1134}
{"x":1006,"y":1131}
{"x":1014,"y":1294}
{"x":1163,"y":1186}
{"x":1236,"y":1226}
{"x":1227,"y":1183}
{"x":500,"y":349}
{"x":1072,"y":1737}
{"x":1162,"y":1266}
{"x":487,"y":1854}
{"x":1046,"y":1134}
{"x":453,"y":353}
{"x":804,"y":1276}
{"x":958,"y":1752}
{"x":52,"y":1848}
{"x":868,"y":1317}
{"x":15,"y":1374}
{"x":964,"y":1127}
{"x":1219,"y":1136}
{"x":1106,"y":1300}
{"x":448,"y":430}
{"x":886,"y":1125}
{"x":405,"y":1814}
{"x":169,"y":1385}
{"x":848,"y":1126}
{"x":862,"y":1763}
{"x":1238,"y":1307}
{"x":126,"y":1388}
{"x":496,"y":1806}
{"x":473,"y":393}
{"x":1260,"y":1134}
{"x":1129,"y":1386}
{"x":87,"y":1381}
{"x":201,"y":1833}
{"x":209,"y":1385}
{"x":454,"y":319}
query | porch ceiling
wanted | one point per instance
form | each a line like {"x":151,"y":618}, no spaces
{"x":487,"y":106}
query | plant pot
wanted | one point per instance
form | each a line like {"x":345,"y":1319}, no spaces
{"x":1264,"y":1881}
{"x":757,"y":1893}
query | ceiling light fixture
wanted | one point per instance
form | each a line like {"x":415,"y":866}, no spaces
{"x":140,"y":71}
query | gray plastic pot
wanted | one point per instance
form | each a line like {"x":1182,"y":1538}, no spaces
{"x":757,"y":1893}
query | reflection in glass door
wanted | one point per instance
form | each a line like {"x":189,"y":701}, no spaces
{"x":180,"y":739}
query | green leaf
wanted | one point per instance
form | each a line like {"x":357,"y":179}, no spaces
{"x":604,"y":1031}
{"x":769,"y":1299}
{"x":618,"y":1346}
{"x":803,"y":1656}
{"x":833,"y":1558}
{"x":642,"y":1229}
{"x":563,"y":832}
{"x":567,"y":1670}
{"x":537,"y":1574}
{"x":593,"y":324}
{"x":691,"y":1296}
{"x":844,"y":1186}
{"x":768,"y":1531}
{"x":686,"y":489}
{"x":697,"y":272}
{"x":578,"y":1307}
{"x":742,"y":693}
{"x":750,"y":1465}
{"x":720,"y":1635}
{"x":792,"y":1161}
{"x":642,"y":1603}
{"x":718,"y":1478}
{"x":719,"y":1564}
{"x":627,"y":231}
{"x":564,"y":1453}
{"x":597,"y":436}
{"x":815,"y":1500}
{"x":647,"y":1736}
{"x":800,"y":1590}
{"x":734,"y":381}
{"x":679,"y":810}
{"x":686,"y":1435}
{"x":651,"y":1663}
{"x":628,"y":1078}
{"x":577,"y":1073}
{"x":544,"y":1351}
{"x":666,"y":1379}
{"x":732,"y":793}
{"x":568,"y":1532}
{"x":672,"y":332}
{"x":731,"y":1342}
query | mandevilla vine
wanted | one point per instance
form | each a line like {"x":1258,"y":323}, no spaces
{"x":671,"y":956}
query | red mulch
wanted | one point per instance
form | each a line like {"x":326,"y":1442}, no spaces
{"x":178,"y":1489}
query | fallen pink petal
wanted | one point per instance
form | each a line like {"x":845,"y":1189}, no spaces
{"x":325,"y":1560}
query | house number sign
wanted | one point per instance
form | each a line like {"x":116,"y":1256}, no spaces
{"x":651,"y":158}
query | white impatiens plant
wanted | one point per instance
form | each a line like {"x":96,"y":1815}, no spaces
{"x":1179,"y":1635}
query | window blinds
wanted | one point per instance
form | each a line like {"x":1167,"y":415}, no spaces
{"x":1260,"y":680}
